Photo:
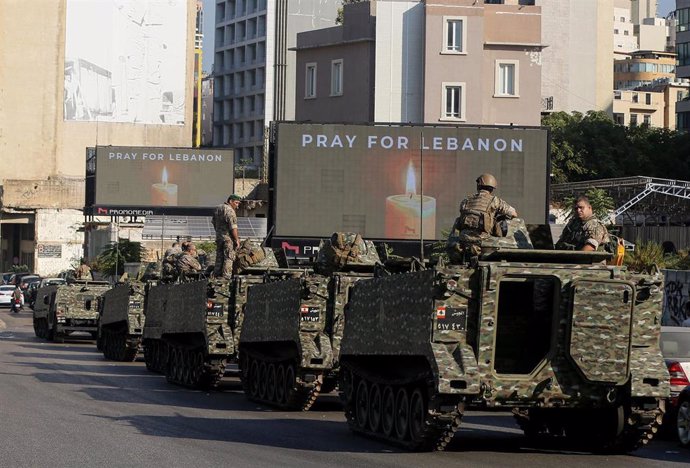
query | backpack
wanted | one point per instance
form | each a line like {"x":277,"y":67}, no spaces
{"x":342,"y":248}
{"x":249,"y":253}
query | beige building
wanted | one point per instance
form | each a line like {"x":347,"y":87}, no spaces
{"x":653,"y":105}
{"x":446,"y":61}
{"x":643,"y":67}
{"x":48,"y":118}
{"x":576,"y":62}
{"x":683,"y":50}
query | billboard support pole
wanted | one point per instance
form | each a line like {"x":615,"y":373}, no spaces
{"x":162,"y":235}
{"x":421,"y":198}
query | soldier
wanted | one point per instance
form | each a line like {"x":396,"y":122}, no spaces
{"x":584,"y":231}
{"x":477,"y":220}
{"x":187,"y":262}
{"x":227,"y":237}
{"x":83,"y":272}
{"x":170,"y":260}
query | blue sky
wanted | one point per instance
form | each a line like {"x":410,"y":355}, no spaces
{"x":665,"y":6}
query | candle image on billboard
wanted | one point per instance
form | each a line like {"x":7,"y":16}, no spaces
{"x":163,"y":193}
{"x":406,"y":213}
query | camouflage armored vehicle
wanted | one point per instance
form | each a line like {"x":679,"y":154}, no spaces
{"x":121,"y":321}
{"x":570,"y":344}
{"x":192,"y":327}
{"x":293,"y":323}
{"x":122,"y":318}
{"x":63,"y":309}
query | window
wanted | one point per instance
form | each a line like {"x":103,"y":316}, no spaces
{"x":648,"y":98}
{"x":615,"y":31}
{"x":454,"y":35}
{"x":647,"y":119}
{"x":310,"y":81}
{"x":626,"y":33}
{"x":633,"y":120}
{"x":453,"y":101}
{"x":337,"y":77}
{"x":635,"y":97}
{"x":506,"y":78}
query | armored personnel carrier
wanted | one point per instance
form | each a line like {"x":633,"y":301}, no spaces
{"x":63,"y":309}
{"x":122,"y":318}
{"x":293,"y":323}
{"x":192,"y":327}
{"x":570,"y":344}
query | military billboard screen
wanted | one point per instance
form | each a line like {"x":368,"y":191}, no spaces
{"x":400,"y":182}
{"x":164,"y":180}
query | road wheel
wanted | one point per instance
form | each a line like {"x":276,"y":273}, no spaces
{"x":683,"y":423}
{"x":417,"y":416}
{"x":280,"y":384}
{"x":254,"y":378}
{"x":402,"y":414}
{"x":362,"y":404}
{"x":271,"y":383}
{"x":197,"y":367}
{"x":263,"y":376}
{"x":388,"y":411}
{"x":346,"y":385}
{"x":375,"y":407}
{"x":289,"y":382}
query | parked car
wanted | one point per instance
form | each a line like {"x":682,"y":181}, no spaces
{"x":6,"y":291}
{"x":28,"y":281}
{"x":17,"y":277}
{"x":6,"y":277}
{"x":675,"y":346}
{"x":683,"y":417}
{"x":35,"y":286}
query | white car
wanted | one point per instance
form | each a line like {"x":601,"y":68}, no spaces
{"x":6,"y":295}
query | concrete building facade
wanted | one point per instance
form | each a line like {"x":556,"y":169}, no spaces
{"x":433,"y":62}
{"x":42,"y":154}
{"x":624,"y":39}
{"x":254,"y":73}
{"x":576,"y":62}
{"x":683,"y":57}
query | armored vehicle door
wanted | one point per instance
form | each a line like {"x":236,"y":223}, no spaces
{"x":601,"y":329}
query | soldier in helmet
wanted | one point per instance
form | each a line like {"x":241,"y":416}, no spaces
{"x":478,"y":213}
{"x":584,"y":231}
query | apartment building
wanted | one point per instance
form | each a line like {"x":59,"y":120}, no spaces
{"x":447,"y":61}
{"x":624,"y":39}
{"x":76,"y":80}
{"x":683,"y":59}
{"x":642,"y":68}
{"x":253,"y":72}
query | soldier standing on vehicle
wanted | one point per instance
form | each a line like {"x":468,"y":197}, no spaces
{"x":584,"y":231}
{"x":83,"y":272}
{"x":227,"y":237}
{"x":478,"y":213}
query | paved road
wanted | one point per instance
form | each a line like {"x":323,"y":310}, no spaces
{"x":64,"y":405}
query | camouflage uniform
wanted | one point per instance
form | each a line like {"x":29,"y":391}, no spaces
{"x":477,"y":219}
{"x":170,"y":261}
{"x":83,"y":272}
{"x":224,"y":221}
{"x":578,"y":233}
{"x":186,"y":263}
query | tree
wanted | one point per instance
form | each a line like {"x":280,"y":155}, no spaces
{"x":112,"y":260}
{"x":341,"y":11}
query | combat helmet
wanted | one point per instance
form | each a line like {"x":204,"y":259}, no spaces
{"x":487,"y":180}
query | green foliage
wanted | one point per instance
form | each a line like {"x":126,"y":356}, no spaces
{"x":116,"y":254}
{"x":601,"y":203}
{"x":341,"y":11}
{"x":208,"y":247}
{"x":650,"y":253}
{"x":19,"y":269}
{"x":593,"y":146}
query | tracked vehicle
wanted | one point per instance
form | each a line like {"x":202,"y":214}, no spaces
{"x":63,"y":309}
{"x":570,"y":344}
{"x":293,"y":324}
{"x":121,"y":321}
{"x":192,"y":327}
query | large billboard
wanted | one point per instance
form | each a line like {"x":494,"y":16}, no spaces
{"x":161,"y":180}
{"x":400,"y":182}
{"x":125,"y":61}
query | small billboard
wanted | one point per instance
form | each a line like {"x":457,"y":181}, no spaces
{"x":133,"y":180}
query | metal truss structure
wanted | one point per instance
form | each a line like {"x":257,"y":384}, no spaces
{"x":650,"y":199}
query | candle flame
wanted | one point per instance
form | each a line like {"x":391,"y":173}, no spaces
{"x":164,"y":176}
{"x":411,"y":185}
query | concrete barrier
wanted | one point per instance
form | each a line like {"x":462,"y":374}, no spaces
{"x":676,"y":298}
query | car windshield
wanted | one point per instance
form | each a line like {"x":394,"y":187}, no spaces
{"x":675,"y":345}
{"x":6,"y":288}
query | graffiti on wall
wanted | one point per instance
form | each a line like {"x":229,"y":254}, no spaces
{"x":676,"y":298}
